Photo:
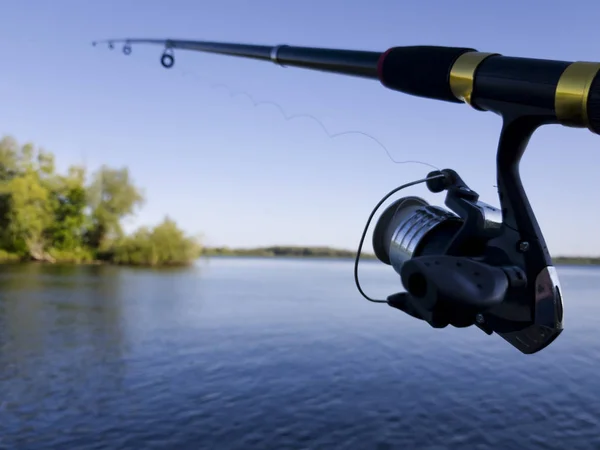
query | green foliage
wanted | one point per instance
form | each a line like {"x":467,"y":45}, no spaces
{"x":8,"y":257}
{"x":112,"y":197}
{"x":76,"y":255}
{"x":165,"y":244}
{"x":47,"y":216}
{"x":69,"y":201}
{"x":26,"y":191}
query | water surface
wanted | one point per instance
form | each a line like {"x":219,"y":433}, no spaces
{"x":277,"y":354}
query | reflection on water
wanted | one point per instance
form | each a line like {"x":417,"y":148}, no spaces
{"x":242,"y":353}
{"x":61,"y":340}
{"x":65,"y":340}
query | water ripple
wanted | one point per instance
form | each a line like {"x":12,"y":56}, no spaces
{"x":101,"y":361}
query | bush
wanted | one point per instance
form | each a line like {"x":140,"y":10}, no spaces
{"x":78,"y":255}
{"x":164,"y":245}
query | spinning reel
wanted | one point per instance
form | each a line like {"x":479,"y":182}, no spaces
{"x":472,"y":265}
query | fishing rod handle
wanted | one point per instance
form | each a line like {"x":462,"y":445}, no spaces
{"x":568,"y":92}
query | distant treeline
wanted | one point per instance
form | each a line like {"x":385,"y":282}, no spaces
{"x":576,"y":260}
{"x":283,"y":251}
{"x":327,"y":252}
{"x":53,"y":217}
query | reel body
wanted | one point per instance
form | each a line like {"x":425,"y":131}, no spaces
{"x":469,"y":266}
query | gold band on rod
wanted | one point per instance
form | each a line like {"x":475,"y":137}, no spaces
{"x":462,"y":74}
{"x":572,"y":92}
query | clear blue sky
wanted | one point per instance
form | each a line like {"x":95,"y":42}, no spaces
{"x":243,"y":176}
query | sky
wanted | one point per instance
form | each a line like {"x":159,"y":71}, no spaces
{"x":244,"y":176}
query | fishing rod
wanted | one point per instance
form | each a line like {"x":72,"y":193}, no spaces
{"x":470,"y":264}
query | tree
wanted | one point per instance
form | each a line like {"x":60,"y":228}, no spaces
{"x":69,"y":202}
{"x":112,"y":197}
{"x":9,"y":150}
{"x":26,"y":178}
{"x":29,"y":215}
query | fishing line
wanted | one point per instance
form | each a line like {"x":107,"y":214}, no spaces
{"x":255,"y":103}
{"x":289,"y":117}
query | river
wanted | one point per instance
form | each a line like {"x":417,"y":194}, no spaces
{"x":277,"y":354}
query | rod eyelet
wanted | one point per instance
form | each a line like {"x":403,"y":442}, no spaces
{"x":167,"y":60}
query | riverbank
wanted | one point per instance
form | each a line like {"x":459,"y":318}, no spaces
{"x":284,"y":251}
{"x":86,"y":258}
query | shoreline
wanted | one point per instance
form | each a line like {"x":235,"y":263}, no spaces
{"x":558,"y":261}
{"x":270,"y":252}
